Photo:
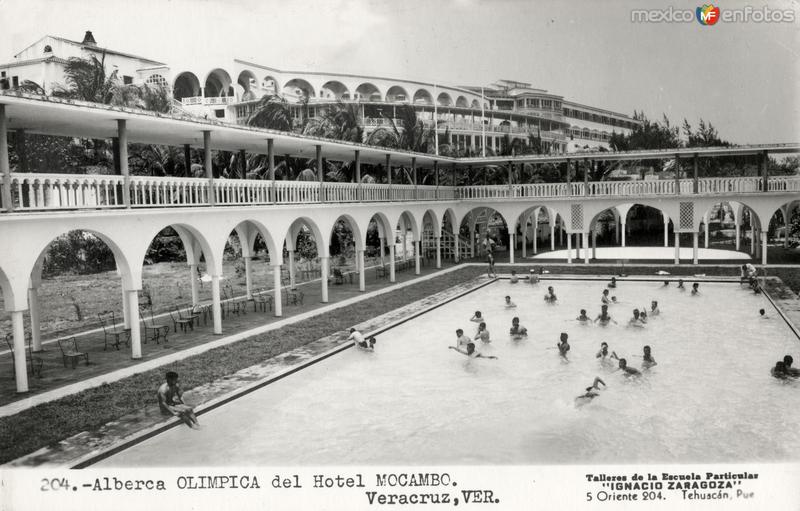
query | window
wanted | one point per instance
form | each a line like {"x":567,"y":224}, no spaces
{"x":157,"y":80}
{"x":220,"y":113}
{"x":15,"y":81}
{"x":127,"y":80}
{"x":2,"y":74}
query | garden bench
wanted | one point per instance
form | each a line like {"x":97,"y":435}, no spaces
{"x":111,"y":331}
{"x":69,"y":351}
{"x":35,"y":363}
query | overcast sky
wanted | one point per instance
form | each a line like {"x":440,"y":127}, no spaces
{"x":743,"y":77}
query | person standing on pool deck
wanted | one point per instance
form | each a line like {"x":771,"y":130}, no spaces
{"x":490,"y":260}
{"x":471,"y":352}
{"x":604,"y":318}
{"x":170,"y":401}
{"x":563,"y":346}
{"x":647,"y":359}
{"x":629,"y":371}
{"x":550,"y":297}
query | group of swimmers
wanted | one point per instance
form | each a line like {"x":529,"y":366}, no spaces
{"x":783,"y":369}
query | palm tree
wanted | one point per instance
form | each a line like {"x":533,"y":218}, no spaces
{"x":272,"y":112}
{"x":87,"y":80}
{"x":341,"y":122}
{"x":411,"y":133}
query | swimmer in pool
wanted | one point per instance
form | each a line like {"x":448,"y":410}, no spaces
{"x":471,"y":352}
{"x":533,"y":278}
{"x":517,"y":331}
{"x":779,"y":371}
{"x":680,"y":285}
{"x":695,"y":288}
{"x":604,"y":318}
{"x":563,"y":346}
{"x":787,"y":366}
{"x":643,"y":315}
{"x":666,"y":283}
{"x":614,"y":300}
{"x":583,"y":318}
{"x":762,"y":314}
{"x":629,"y":371}
{"x":482,"y":334}
{"x":514,"y":278}
{"x":550,"y":297}
{"x":647,"y":359}
{"x":590,"y":392}
{"x":654,"y":311}
{"x":509,"y":303}
{"x":477,"y":318}
{"x":605,"y":298}
{"x":462,"y":340}
{"x":636,"y":320}
{"x":603,"y":353}
{"x":613,"y":282}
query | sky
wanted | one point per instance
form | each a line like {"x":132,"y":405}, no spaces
{"x":742,"y":77}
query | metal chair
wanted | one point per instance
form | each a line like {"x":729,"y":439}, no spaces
{"x":183,"y":321}
{"x":69,"y":351}
{"x":338,"y":276}
{"x":111,"y":331}
{"x":262,"y":299}
{"x":152,"y":330}
{"x":35,"y":363}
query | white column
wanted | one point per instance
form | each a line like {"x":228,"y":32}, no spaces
{"x":622,"y":233}
{"x":785,"y":226}
{"x":764,"y":247}
{"x":438,"y":252}
{"x":216,"y":308}
{"x":360,"y":262}
{"x":276,"y":282}
{"x":524,"y":238}
{"x":34,"y":311}
{"x":677,"y":248}
{"x":585,"y":248}
{"x":666,"y":233}
{"x":695,"y":243}
{"x":292,"y":278}
{"x":594,"y":244}
{"x":456,"y":249}
{"x":193,"y":280}
{"x":417,"y":248}
{"x":472,"y":242}
{"x":126,"y":310}
{"x":20,"y":363}
{"x":248,"y":278}
{"x":405,"y":241}
{"x":5,"y":169}
{"x":569,"y":249}
{"x":325,"y":269}
{"x":616,"y":228}
{"x":511,"y":243}
{"x":136,"y":338}
{"x":552,"y":237}
{"x":737,"y":234}
{"x":577,"y":245}
{"x":383,"y":247}
{"x":391,"y":263}
{"x":705,"y":223}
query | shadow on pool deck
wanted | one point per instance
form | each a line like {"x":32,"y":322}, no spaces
{"x":54,"y":374}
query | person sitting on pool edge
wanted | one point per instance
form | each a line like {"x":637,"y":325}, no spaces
{"x":605,"y":298}
{"x":514,"y":279}
{"x":477,"y":318}
{"x":471,"y":352}
{"x":647,"y":359}
{"x":629,"y":371}
{"x":604,"y":318}
{"x":749,"y":274}
{"x":482,"y":334}
{"x":695,"y":288}
{"x":563,"y":346}
{"x":590,"y":392}
{"x":787,"y":365}
{"x":509,"y":303}
{"x":583,"y":318}
{"x":170,"y":401}
{"x":550,"y":297}
{"x":613,"y":282}
{"x":517,"y":331}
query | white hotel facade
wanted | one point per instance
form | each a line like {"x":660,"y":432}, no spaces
{"x":229,"y":91}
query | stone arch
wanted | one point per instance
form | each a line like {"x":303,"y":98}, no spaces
{"x":430,"y":217}
{"x":218,"y":83}
{"x":295,"y":228}
{"x":423,"y":97}
{"x":249,"y":85}
{"x":186,"y":85}
{"x":269,"y":84}
{"x":248,"y":230}
{"x":195,"y":243}
{"x":358,"y":237}
{"x":367,"y":92}
{"x":397,"y":94}
{"x":449,"y":216}
{"x":334,"y":90}
{"x":385,"y":229}
{"x":461,"y":101}
{"x":475,"y":104}
{"x":7,"y":290}
{"x":298,"y":87}
{"x":408,"y":220}
{"x":444,"y":99}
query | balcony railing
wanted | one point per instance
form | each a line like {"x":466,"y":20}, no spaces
{"x":215,"y":100}
{"x":42,"y":192}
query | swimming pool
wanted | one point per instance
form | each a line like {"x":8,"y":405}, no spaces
{"x":413,"y":401}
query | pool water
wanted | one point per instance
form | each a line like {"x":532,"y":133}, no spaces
{"x":413,"y":401}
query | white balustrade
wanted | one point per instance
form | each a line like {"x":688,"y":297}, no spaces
{"x":194,"y":100}
{"x":168,"y":191}
{"x":65,"y":191}
{"x":289,"y":192}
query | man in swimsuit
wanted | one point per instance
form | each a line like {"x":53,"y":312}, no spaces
{"x":695,"y":288}
{"x":604,"y":318}
{"x":509,"y":303}
{"x":603,"y":353}
{"x":648,"y":360}
{"x":462,"y":340}
{"x":605,"y":298}
{"x":563,"y":346}
{"x":490,"y":260}
{"x":477,"y":318}
{"x":533,"y":278}
{"x":787,"y":366}
{"x":590,"y":392}
{"x":482,"y":333}
{"x":654,"y":311}
{"x":471,"y":352}
{"x":629,"y":371}
{"x":170,"y":401}
{"x":550,"y":297}
{"x":514,"y":279}
{"x":680,"y":285}
{"x":517,"y":330}
{"x":635,"y":320}
{"x":583,"y":318}
{"x":613,"y":282}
